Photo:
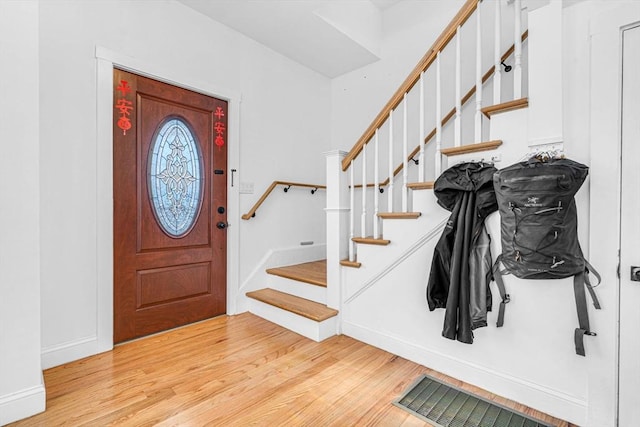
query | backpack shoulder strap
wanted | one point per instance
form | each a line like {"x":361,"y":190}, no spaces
{"x":497,"y":276}
{"x":580,"y":282}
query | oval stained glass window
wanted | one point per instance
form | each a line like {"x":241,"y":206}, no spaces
{"x":175,"y":177}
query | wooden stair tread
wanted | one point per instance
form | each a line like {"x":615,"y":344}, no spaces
{"x":516,"y":104}
{"x":347,"y":263}
{"x":301,"y":306}
{"x":314,"y":272}
{"x":371,"y":241}
{"x":421,"y":185}
{"x":399,"y":215}
{"x":471,"y":148}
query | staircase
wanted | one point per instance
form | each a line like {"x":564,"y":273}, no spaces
{"x":296,"y":300}
{"x":383,"y":220}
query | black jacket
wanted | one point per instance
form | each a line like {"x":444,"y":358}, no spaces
{"x":466,"y":190}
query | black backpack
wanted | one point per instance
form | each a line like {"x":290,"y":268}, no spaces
{"x":539,"y":230}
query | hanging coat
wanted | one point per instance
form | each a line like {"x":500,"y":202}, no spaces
{"x":466,"y":190}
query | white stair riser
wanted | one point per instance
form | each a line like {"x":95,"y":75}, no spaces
{"x":424,"y":201}
{"x":299,"y":289}
{"x":317,"y":331}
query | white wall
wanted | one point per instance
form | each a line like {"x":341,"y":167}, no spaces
{"x":284,"y":128}
{"x":409,"y":29}
{"x":21,"y":386}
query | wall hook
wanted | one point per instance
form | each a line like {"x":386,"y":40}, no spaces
{"x":507,"y":68}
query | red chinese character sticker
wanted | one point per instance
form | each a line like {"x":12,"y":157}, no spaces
{"x":124,"y":87}
{"x":124,"y":107}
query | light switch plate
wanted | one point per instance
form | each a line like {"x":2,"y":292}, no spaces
{"x":246,"y":188}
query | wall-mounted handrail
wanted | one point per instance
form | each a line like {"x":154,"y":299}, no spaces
{"x":451,"y":112}
{"x":441,"y":42}
{"x":274,"y":184}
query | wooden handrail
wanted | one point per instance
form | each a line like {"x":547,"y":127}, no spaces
{"x":268,"y":191}
{"x":441,"y":42}
{"x":451,"y":112}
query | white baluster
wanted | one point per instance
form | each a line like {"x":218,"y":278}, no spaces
{"x":405,"y":153}
{"x":390,"y":186}
{"x":352,"y":225}
{"x":478,"y":116}
{"x":458,"y":120}
{"x":421,"y":134}
{"x":438,"y":118}
{"x":517,"y":52}
{"x":497,"y":69}
{"x":363,"y":216}
{"x":376,"y":190}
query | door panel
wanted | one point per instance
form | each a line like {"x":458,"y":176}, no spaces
{"x":630,"y":232}
{"x":169,"y":257}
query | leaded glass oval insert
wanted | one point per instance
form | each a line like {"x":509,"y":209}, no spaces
{"x":175,"y":177}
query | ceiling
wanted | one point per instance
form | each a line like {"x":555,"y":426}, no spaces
{"x":331,"y":37}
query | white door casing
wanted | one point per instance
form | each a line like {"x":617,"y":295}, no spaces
{"x":608,"y":20}
{"x":629,"y":398}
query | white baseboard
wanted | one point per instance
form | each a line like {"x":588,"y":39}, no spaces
{"x":552,"y":402}
{"x":72,"y":350}
{"x":22,"y":404}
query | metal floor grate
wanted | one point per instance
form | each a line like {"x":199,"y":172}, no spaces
{"x":448,"y":406}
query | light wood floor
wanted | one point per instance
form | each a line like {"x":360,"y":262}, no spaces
{"x":235,"y":371}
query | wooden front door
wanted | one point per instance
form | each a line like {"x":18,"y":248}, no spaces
{"x":169,"y":168}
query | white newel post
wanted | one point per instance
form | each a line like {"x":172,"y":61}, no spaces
{"x":337,"y":215}
{"x":545,"y":75}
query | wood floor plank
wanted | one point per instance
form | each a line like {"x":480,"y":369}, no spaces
{"x":236,"y":371}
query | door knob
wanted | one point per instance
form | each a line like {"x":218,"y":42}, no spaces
{"x":635,"y":274}
{"x":222,"y":225}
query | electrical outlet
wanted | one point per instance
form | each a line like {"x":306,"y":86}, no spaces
{"x":246,"y":188}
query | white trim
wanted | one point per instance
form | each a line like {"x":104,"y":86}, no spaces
{"x":605,"y":145}
{"x":557,"y":139}
{"x":537,"y":396}
{"x":22,"y":404}
{"x":434,"y":232}
{"x":106,"y":60}
{"x":72,"y":350}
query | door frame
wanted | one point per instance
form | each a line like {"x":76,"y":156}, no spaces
{"x":106,"y":60}
{"x":605,"y":184}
